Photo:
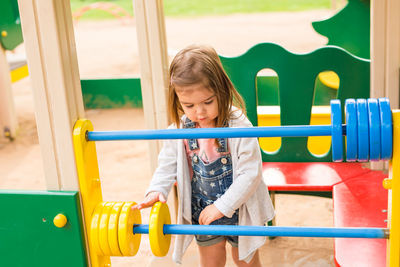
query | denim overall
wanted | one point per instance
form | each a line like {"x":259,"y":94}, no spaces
{"x":209,"y":182}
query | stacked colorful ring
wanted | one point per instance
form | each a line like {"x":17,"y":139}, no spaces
{"x":103,"y":228}
{"x":362,"y":130}
{"x":94,"y":229}
{"x":351,"y":130}
{"x":113,"y":229}
{"x":128,"y":242}
{"x":337,"y":131}
{"x":159,"y":242}
{"x":374,"y":124}
{"x":386,"y":128}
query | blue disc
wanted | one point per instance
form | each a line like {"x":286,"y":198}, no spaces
{"x":386,"y":128}
{"x":351,"y":129}
{"x":362,"y":130}
{"x":374,"y":130}
{"x":337,"y":131}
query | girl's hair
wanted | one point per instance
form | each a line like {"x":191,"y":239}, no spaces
{"x":199,"y":64}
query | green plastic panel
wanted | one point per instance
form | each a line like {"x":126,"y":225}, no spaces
{"x":11,"y":24}
{"x":297,"y":74}
{"x":349,"y":28}
{"x":112,"y":93}
{"x":122,"y":93}
{"x":28,"y":236}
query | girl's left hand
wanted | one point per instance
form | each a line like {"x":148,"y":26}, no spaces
{"x":210,"y":214}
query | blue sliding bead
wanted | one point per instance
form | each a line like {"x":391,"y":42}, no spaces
{"x":337,"y":131}
{"x":351,"y":130}
{"x":386,"y":128}
{"x":362,"y":130}
{"x":374,"y":124}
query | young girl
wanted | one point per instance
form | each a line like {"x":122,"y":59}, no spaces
{"x":219,"y":180}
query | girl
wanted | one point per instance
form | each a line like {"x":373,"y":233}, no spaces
{"x":219,"y":180}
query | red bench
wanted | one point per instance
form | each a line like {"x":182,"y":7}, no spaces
{"x":309,"y":176}
{"x":359,"y":200}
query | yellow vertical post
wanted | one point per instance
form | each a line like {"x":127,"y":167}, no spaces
{"x":393,"y":255}
{"x":89,"y":183}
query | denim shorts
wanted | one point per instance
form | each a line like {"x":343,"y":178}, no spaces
{"x":209,"y":240}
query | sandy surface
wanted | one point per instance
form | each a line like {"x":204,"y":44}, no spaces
{"x":109,"y":49}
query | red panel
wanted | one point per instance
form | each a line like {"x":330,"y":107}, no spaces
{"x":358,"y":202}
{"x":310,"y":176}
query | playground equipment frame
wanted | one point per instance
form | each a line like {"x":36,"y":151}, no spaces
{"x":52,"y":60}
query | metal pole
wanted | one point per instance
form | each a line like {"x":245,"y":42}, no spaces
{"x":239,"y":230}
{"x":272,"y":131}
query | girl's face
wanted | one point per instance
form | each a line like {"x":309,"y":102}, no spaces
{"x":199,"y":104}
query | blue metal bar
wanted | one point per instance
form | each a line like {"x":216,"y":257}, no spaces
{"x":272,"y":131}
{"x":239,"y":230}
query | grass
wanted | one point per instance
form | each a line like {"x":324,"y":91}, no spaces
{"x":190,"y":8}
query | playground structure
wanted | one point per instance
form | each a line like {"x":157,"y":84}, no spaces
{"x":58,"y":110}
{"x":363,"y":118}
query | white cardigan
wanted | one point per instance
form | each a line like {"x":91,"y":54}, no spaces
{"x":248,"y":192}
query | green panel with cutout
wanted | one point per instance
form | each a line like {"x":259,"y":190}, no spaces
{"x":297,"y":74}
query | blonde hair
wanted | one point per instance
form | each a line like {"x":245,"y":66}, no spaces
{"x":200,"y":64}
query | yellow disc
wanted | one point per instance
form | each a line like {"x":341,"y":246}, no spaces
{"x":159,"y":242}
{"x":128,"y":242}
{"x":113,"y":229}
{"x":103,"y":228}
{"x":94,"y":229}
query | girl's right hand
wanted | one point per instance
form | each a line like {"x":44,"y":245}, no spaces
{"x":149,"y":200}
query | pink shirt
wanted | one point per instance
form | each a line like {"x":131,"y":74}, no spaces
{"x":207,"y":151}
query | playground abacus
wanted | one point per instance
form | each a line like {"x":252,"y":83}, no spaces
{"x":115,"y":229}
{"x":74,"y":196}
{"x":368,"y":128}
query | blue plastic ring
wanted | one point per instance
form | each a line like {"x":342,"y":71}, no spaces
{"x":386,"y":128}
{"x":362,"y":130}
{"x":374,"y":130}
{"x":351,"y":130}
{"x":337,"y":131}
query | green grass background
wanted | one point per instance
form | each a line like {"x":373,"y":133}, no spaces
{"x":190,"y":8}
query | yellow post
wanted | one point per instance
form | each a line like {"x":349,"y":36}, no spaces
{"x":393,"y":246}
{"x":89,"y":183}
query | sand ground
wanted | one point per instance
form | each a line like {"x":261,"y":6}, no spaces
{"x":109,"y":49}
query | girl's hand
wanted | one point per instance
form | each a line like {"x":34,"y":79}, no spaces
{"x":210,"y":214}
{"x":150,"y":199}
